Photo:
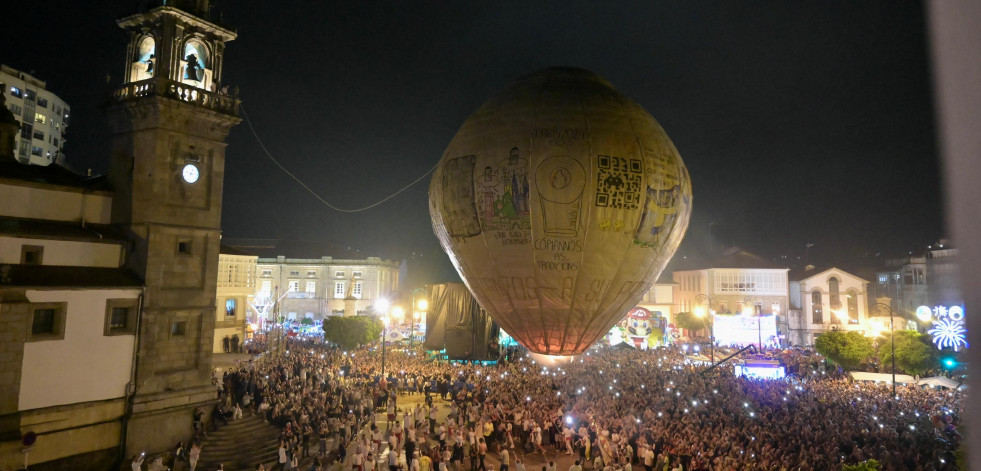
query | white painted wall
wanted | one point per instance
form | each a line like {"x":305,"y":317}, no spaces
{"x":846,"y":282}
{"x":44,"y":203}
{"x":84,"y":366}
{"x":64,"y":253}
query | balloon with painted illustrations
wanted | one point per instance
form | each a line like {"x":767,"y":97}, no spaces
{"x":559,"y":202}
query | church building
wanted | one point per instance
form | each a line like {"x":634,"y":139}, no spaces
{"x":108,"y":283}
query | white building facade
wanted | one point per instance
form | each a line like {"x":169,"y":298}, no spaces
{"x":68,"y":319}
{"x":235,"y":296}
{"x":738,"y":283}
{"x":43,"y":117}
{"x":826,"y":300}
{"x":659,"y":300}
{"x":320,"y":287}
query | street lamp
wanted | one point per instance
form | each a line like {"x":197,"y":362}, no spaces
{"x":758,"y":309}
{"x":381,"y":306}
{"x":384,"y":320}
{"x":892,"y":342}
{"x":701,"y":311}
{"x":421,"y":307}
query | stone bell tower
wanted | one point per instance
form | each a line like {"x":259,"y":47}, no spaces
{"x":169,"y":121}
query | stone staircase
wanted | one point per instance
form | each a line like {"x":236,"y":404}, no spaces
{"x":241,"y":445}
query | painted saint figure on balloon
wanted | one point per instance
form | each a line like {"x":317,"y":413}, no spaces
{"x":458,"y":197}
{"x":503,"y":194}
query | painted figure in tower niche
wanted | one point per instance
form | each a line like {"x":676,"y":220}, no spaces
{"x":193,"y":67}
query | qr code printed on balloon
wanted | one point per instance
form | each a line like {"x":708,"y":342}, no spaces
{"x":618,"y":182}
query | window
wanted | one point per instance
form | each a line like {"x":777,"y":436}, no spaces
{"x":16,"y":109}
{"x":356,"y":290}
{"x":266,"y":287}
{"x":230,"y":307}
{"x":26,"y":130}
{"x":339,"y":289}
{"x":817,"y":311}
{"x":42,"y":102}
{"x":184,"y":246}
{"x":29,"y":95}
{"x":266,"y":272}
{"x":16,"y":92}
{"x":834,"y":296}
{"x":38,"y":134}
{"x":311,"y":287}
{"x":121,"y":316}
{"x":852,"y":307}
{"x":741,"y":281}
{"x":31,"y":254}
{"x":291,"y":316}
{"x":311,"y":273}
{"x":294,"y":286}
{"x":178,"y":328}
{"x":35,"y":150}
{"x":40,"y":118}
{"x":65,"y":117}
{"x":357,"y":274}
{"x":294,"y":273}
{"x":339,"y":274}
{"x":48,"y":321}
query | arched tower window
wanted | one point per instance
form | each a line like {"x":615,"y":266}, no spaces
{"x":144,"y":59}
{"x":196,"y":64}
{"x":817,"y":310}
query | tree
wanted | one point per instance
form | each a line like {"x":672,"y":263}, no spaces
{"x":867,"y":465}
{"x":307,"y":321}
{"x":351,"y":332}
{"x":846,"y":349}
{"x":689,"y":321}
{"x":915,"y":354}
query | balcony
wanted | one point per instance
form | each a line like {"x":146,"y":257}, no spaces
{"x":160,"y":86}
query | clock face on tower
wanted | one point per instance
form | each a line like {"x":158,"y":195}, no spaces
{"x":190,"y":173}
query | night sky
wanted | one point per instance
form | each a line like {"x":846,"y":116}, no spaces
{"x":800,"y":122}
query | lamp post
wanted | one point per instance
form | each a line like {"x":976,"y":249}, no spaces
{"x":892,"y":343}
{"x":381,"y":306}
{"x":758,"y":310}
{"x":384,"y":320}
{"x":701,"y":312}
{"x":420,"y":307}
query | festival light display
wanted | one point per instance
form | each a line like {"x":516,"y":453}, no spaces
{"x":948,"y":327}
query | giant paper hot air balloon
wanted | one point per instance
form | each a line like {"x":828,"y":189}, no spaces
{"x":559,"y":202}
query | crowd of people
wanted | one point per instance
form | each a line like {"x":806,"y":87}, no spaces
{"x":611,"y":409}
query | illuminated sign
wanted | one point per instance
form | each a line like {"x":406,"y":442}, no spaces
{"x":924,"y":314}
{"x":948,"y":326}
{"x":746,"y":330}
{"x":762,"y":372}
